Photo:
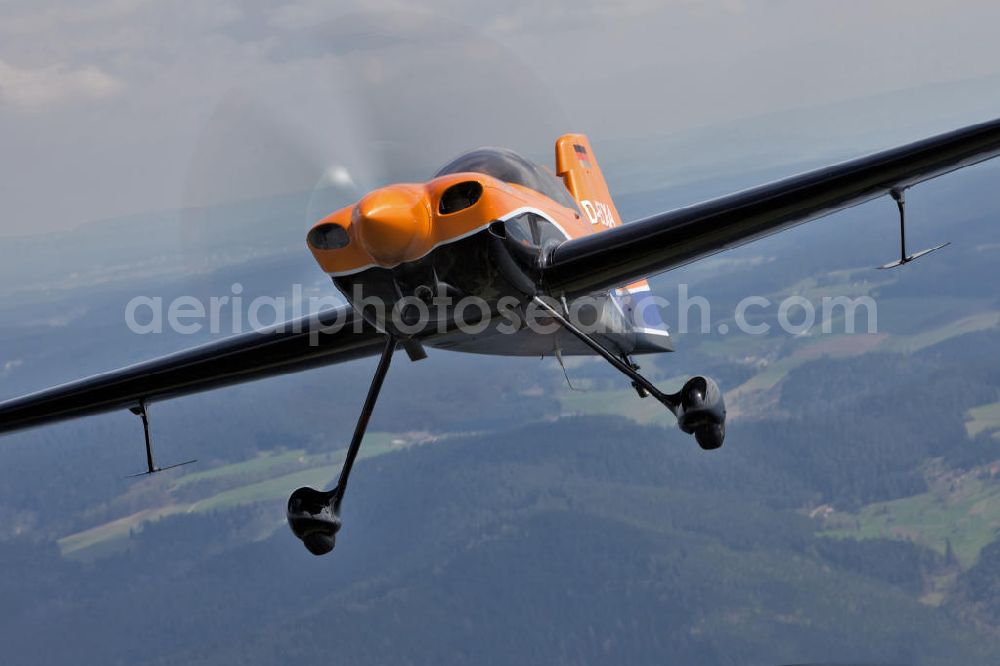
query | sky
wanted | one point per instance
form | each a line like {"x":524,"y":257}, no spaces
{"x":117,"y":107}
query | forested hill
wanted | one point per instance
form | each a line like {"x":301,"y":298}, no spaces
{"x":584,"y":540}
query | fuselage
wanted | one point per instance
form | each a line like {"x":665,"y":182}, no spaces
{"x":454,"y":262}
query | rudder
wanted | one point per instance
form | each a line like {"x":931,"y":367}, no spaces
{"x":577,"y":166}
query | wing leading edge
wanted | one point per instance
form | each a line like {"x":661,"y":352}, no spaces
{"x":332,"y":336}
{"x":655,"y":244}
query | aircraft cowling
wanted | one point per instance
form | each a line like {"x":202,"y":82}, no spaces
{"x":702,"y":412}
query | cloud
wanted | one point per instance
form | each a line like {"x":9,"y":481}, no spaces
{"x":45,"y":87}
{"x":31,"y":20}
{"x":389,"y":96}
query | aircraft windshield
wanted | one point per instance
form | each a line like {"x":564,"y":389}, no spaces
{"x":510,"y":167}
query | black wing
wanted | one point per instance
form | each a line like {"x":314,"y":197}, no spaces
{"x":656,"y":244}
{"x":601,"y":261}
{"x":332,"y":336}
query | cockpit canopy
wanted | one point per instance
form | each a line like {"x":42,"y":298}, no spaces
{"x":508,"y":166}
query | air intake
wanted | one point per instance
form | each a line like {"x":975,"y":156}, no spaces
{"x":328,"y":236}
{"x":460,"y":196}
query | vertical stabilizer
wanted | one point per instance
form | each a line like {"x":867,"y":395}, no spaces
{"x":577,"y":166}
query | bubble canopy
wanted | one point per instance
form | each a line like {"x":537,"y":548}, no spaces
{"x":510,"y":167}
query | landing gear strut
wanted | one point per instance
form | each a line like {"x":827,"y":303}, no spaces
{"x":671,"y":401}
{"x":698,"y":406}
{"x":314,"y":515}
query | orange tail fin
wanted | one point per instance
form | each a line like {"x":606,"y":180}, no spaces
{"x":577,"y":166}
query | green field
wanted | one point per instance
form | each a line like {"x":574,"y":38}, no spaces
{"x":263,"y":464}
{"x":261,"y":479}
{"x":850,"y":282}
{"x":811,"y":347}
{"x":112,"y":536}
{"x":982,"y":419}
{"x":622,"y":401}
{"x":970,"y":324}
{"x":614,"y":402}
{"x":961,"y":508}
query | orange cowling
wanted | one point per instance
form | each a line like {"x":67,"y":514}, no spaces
{"x":391,"y":222}
{"x":404,"y":222}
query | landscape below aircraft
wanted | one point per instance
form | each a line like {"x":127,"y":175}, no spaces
{"x":494,"y":226}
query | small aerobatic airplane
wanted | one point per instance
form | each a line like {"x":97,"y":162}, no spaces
{"x":494,"y":226}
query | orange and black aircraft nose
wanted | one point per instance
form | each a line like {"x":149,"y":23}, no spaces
{"x":390,"y":222}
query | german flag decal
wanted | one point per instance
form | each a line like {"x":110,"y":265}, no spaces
{"x":581,"y":155}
